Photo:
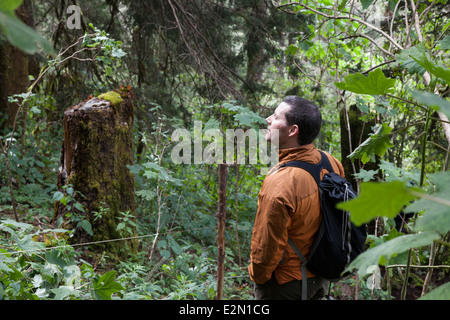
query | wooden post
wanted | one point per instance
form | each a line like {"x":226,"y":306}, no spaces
{"x":221,"y":217}
{"x":96,"y":151}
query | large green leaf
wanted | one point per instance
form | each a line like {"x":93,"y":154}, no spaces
{"x":366,"y":3}
{"x":405,"y":59}
{"x":377,"y":199}
{"x":432,"y":100}
{"x":445,"y":43}
{"x":440,"y":293}
{"x":381,"y":254}
{"x":8,"y":6}
{"x":435,"y":207}
{"x":374,"y":84}
{"x":63,"y":292}
{"x":247,"y":118}
{"x":438,"y":71}
{"x":436,"y":216}
{"x":106,"y":286}
{"x":18,"y":33}
{"x":86,"y":225}
{"x":376,"y":144}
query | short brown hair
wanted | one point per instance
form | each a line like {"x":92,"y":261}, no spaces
{"x":306,"y":115}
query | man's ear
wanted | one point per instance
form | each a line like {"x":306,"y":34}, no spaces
{"x":293,"y":130}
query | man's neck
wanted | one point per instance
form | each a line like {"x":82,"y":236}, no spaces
{"x":289,"y":145}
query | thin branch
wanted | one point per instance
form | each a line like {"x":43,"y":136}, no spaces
{"x":416,"y":266}
{"x":373,"y":41}
{"x":425,"y":12}
{"x":377,"y":66}
{"x":408,"y":126}
{"x":416,"y":21}
{"x":438,"y":145}
{"x":408,"y":29}
{"x":442,"y":34}
{"x":310,"y":78}
{"x":431,"y":198}
{"x":391,"y":28}
{"x":371,"y":26}
{"x":408,"y":101}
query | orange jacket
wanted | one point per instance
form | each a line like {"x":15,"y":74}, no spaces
{"x":288,"y":206}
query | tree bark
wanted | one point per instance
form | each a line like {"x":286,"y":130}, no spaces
{"x":221,"y":215}
{"x":96,"y":151}
{"x":256,"y":56}
{"x":13,"y":70}
{"x":359,"y":132}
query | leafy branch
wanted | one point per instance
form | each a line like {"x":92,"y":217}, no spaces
{"x":348,"y":16}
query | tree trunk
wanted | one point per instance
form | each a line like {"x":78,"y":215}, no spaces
{"x":96,"y":151}
{"x":221,"y":215}
{"x":255,"y":47}
{"x":359,"y":132}
{"x":13,"y":71}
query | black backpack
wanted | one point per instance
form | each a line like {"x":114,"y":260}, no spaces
{"x":338,"y":241}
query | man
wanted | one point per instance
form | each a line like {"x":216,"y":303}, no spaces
{"x":288,"y":206}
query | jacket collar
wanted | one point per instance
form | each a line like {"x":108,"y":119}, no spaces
{"x":306,"y":153}
{"x":297,"y":153}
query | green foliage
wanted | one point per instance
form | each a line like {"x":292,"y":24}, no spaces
{"x":75,"y":209}
{"x":29,"y":270}
{"x":26,"y":274}
{"x":440,"y":293}
{"x":405,"y":59}
{"x":242,"y":115}
{"x":105,"y":286}
{"x":192,"y":276}
{"x":432,"y":100}
{"x":175,"y":81}
{"x":374,"y":84}
{"x":380,"y":254}
{"x":368,"y":206}
{"x":127,"y":223}
{"x":109,"y":56}
{"x":434,"y":207}
{"x":18,"y":33}
{"x":438,"y":71}
{"x":376,"y":144}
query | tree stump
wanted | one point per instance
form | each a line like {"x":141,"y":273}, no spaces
{"x":96,"y":151}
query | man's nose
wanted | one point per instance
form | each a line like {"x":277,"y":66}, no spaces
{"x":269,"y":119}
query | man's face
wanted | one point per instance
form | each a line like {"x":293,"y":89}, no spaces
{"x":278,"y":131}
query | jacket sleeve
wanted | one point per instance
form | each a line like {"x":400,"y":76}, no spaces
{"x":269,"y":237}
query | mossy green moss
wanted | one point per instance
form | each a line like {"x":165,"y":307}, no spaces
{"x":112,"y":97}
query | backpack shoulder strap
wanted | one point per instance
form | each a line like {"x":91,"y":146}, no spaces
{"x":313,"y":169}
{"x":303,"y":269}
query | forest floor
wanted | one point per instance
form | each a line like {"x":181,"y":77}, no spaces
{"x":346,"y":289}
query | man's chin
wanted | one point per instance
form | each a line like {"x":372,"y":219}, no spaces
{"x":274,"y":143}
{"x":271,"y":139}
